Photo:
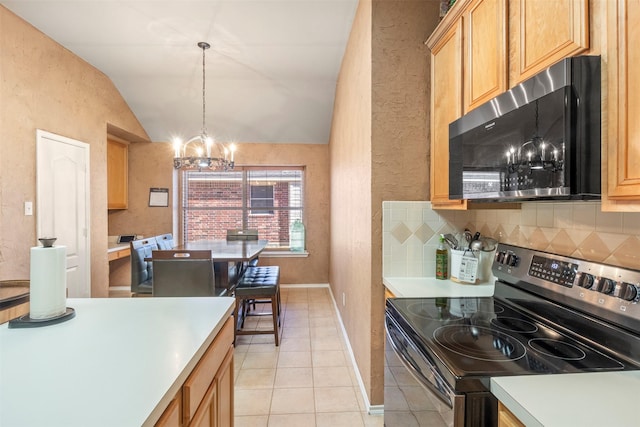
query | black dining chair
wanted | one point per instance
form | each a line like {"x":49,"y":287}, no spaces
{"x":141,"y":268}
{"x":182,"y":273}
{"x":165,"y":241}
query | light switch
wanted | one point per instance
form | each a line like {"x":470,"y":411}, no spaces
{"x":28,"y":208}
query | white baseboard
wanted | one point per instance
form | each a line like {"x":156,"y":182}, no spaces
{"x":371,"y":409}
{"x":305,"y":285}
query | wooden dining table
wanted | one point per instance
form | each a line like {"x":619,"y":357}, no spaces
{"x":228,"y":256}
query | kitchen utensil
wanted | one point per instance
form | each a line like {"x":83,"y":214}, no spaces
{"x":476,"y":245}
{"x":467,"y":236}
{"x":451,"y":240}
{"x":474,"y":238}
{"x":488,"y":244}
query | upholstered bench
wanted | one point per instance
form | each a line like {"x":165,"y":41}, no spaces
{"x":258,"y":283}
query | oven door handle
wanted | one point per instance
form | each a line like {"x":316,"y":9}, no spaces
{"x":431,"y":379}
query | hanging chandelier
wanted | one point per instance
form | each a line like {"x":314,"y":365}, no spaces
{"x":197,"y":152}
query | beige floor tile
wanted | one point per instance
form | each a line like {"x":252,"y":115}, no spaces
{"x":292,"y":420}
{"x":251,"y":421}
{"x":325,"y":331}
{"x":328,"y":358}
{"x":252,"y":402}
{"x":268,"y":347}
{"x":326,"y":343}
{"x":294,"y":322}
{"x":335,"y":399}
{"x":294,"y":359}
{"x":339,"y":419}
{"x":292,"y":401}
{"x":260,"y":360}
{"x":262,"y":339}
{"x":331,"y":377}
{"x":372,"y":420}
{"x":256,"y":378}
{"x":308,"y":380}
{"x":295,"y":344}
{"x":293,"y":377}
{"x":296,"y":332}
{"x":316,"y":322}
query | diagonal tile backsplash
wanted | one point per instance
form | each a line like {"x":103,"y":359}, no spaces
{"x":411,"y":232}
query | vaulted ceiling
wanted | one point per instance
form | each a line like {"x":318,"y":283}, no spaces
{"x":271,"y":70}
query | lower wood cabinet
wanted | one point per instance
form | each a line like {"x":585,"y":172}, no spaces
{"x":206,"y":397}
{"x":506,"y":417}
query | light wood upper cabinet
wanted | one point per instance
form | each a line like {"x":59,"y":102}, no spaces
{"x":485,"y":47}
{"x":468,"y":68}
{"x":543,"y":32}
{"x":623,"y":168}
{"x":117,"y":175}
{"x":446,"y":106}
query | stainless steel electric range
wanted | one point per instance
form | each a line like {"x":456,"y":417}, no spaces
{"x":550,"y":314}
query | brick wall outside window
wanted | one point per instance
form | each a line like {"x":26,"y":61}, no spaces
{"x":212,"y":206}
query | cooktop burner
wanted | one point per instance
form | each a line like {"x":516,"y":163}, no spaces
{"x":484,"y":336}
{"x":479,"y":342}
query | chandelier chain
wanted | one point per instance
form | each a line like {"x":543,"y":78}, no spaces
{"x":204,"y":128}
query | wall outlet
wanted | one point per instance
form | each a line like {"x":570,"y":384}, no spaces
{"x":28,"y":208}
{"x":344,"y":299}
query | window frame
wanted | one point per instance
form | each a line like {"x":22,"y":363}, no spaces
{"x":296,"y":209}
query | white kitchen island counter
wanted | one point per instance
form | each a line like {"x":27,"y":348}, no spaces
{"x":430,"y":287}
{"x":119,"y":362}
{"x":563,"y":400}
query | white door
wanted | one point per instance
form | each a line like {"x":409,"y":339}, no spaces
{"x":62,"y":207}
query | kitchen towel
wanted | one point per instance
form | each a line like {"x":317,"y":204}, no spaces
{"x":48,"y":293}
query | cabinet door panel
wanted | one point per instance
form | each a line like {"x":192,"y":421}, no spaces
{"x":624,"y":103}
{"x":544,"y":32}
{"x":446,"y":106}
{"x":117,"y":175}
{"x":485,"y":74}
{"x":224,"y":378}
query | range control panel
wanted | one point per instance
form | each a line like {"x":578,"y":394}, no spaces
{"x":579,"y":279}
{"x":605,"y":291}
{"x":550,"y":269}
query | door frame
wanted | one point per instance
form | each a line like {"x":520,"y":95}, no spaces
{"x":41,"y":137}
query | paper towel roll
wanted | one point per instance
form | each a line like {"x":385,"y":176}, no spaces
{"x":48,"y":293}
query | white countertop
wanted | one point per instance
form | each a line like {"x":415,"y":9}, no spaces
{"x":430,"y":287}
{"x":113,"y":247}
{"x":119,"y":362}
{"x":565,"y":400}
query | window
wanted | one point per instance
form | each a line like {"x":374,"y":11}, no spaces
{"x":261,"y":197}
{"x":266,"y":199}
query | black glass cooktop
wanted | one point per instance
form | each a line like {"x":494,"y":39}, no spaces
{"x":487,"y":337}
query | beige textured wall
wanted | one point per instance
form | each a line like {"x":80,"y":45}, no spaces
{"x":44,"y":86}
{"x":400,"y":133}
{"x":379,"y":151}
{"x":151,"y":165}
{"x":350,"y":156}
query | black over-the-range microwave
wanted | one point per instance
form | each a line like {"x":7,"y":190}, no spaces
{"x":539,"y":140}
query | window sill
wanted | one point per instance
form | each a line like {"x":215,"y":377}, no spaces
{"x":284,"y":254}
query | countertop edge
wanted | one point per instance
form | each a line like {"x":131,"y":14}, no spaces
{"x":513,"y":405}
{"x":157,"y":412}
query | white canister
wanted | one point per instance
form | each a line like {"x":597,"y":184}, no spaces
{"x":484,"y":263}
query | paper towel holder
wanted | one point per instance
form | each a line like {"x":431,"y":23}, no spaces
{"x":27,"y":322}
{"x":47,"y":242}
